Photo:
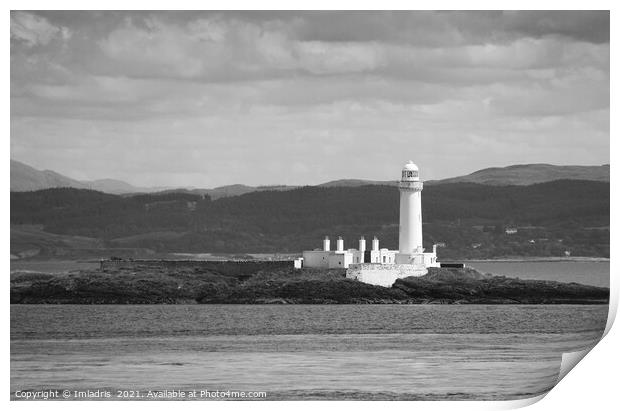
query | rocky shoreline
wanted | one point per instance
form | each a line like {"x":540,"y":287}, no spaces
{"x":260,"y":284}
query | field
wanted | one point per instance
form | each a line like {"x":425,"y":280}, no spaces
{"x":53,"y":266}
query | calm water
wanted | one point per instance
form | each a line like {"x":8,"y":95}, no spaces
{"x":584,"y":272}
{"x":301,"y":352}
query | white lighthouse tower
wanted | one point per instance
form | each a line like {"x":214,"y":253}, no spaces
{"x":410,"y":230}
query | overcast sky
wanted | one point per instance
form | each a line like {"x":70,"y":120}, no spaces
{"x":211,"y":98}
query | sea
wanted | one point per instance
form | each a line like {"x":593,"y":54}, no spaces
{"x":306,"y":352}
{"x":299,"y":352}
{"x":595,"y":272}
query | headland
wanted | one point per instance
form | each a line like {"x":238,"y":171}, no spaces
{"x":277,"y":282}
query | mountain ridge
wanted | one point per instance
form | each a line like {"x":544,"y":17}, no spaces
{"x":527,"y":174}
{"x":27,"y":178}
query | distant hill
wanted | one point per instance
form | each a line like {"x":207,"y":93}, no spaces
{"x":111,"y":186}
{"x":526,"y":174}
{"x":357,"y":183}
{"x":230,"y":190}
{"x":239,"y":189}
{"x":234,"y":190}
{"x":225,"y":191}
{"x":26,"y":178}
{"x":551,"y":218}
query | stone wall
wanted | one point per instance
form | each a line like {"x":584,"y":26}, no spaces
{"x":383,"y":274}
{"x":184,"y":264}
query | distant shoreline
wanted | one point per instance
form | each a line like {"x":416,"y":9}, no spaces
{"x":538,"y":260}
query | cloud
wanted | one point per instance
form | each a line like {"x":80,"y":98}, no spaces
{"x":214,"y":49}
{"x":208,"y":91}
{"x":227,"y":50}
{"x":444,"y":28}
{"x":34,"y":30}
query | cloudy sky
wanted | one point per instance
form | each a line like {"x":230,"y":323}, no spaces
{"x":211,"y":98}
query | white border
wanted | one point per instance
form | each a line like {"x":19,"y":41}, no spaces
{"x":591,"y":386}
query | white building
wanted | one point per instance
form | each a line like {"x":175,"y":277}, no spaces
{"x":338,"y":258}
{"x":384,"y":266}
{"x":341,"y":258}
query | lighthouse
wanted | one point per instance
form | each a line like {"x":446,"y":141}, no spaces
{"x":384,"y":266}
{"x":410,"y":228}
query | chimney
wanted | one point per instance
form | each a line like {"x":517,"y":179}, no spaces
{"x":375,"y":244}
{"x":340,"y":244}
{"x":362,"y":246}
{"x":326,"y":244}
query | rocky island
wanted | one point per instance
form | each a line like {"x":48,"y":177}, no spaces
{"x":169,"y":282}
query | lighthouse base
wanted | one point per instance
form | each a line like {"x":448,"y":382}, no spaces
{"x":384,"y":274}
{"x":421,"y":258}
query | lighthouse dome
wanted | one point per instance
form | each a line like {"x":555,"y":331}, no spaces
{"x":410,"y":172}
{"x":410,"y":166}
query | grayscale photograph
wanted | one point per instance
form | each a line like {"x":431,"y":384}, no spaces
{"x":306,"y":205}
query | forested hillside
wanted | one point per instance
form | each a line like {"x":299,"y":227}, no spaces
{"x":527,"y":174}
{"x":471,"y":219}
